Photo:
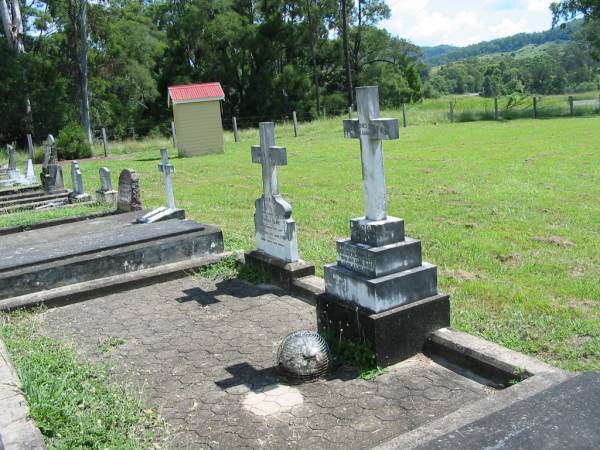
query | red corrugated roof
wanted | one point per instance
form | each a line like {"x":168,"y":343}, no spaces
{"x":191,"y":92}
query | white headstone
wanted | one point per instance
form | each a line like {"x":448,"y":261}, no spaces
{"x":275,"y":228}
{"x":76,"y":178}
{"x":105,"y":180}
{"x":167,"y":169}
{"x":371,"y":130}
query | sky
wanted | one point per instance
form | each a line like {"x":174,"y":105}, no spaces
{"x":464,"y":22}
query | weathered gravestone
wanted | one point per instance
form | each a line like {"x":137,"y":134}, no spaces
{"x":13,"y":172}
{"x":275,"y":229}
{"x":129,"y":195}
{"x":380,"y":290}
{"x":78,"y":194}
{"x":105,"y":194}
{"x":51,"y":176}
{"x":170,"y":212}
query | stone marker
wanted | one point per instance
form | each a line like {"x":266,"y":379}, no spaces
{"x":170,"y":212}
{"x":30,"y":146}
{"x":380,"y":289}
{"x":275,"y":229}
{"x":129,"y":196}
{"x":105,"y":194}
{"x":51,"y":176}
{"x":78,"y":194}
{"x":13,"y":172}
{"x":29,"y":178}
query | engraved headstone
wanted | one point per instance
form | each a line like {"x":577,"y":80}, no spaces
{"x":78,"y":194}
{"x":378,"y":268}
{"x":129,"y":196}
{"x":275,"y":228}
{"x":105,"y":194}
{"x":51,"y":176}
{"x":380,"y":290}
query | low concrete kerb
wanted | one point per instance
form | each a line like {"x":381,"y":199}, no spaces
{"x":17,"y":430}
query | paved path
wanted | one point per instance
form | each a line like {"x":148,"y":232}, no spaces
{"x":205,"y":354}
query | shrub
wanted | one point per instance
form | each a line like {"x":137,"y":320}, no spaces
{"x":38,"y":155}
{"x":586,"y":86}
{"x":72,"y":143}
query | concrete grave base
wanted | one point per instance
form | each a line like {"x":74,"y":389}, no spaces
{"x":106,"y":196}
{"x":282,"y":272}
{"x":395,"y":335}
{"x":79,"y":198}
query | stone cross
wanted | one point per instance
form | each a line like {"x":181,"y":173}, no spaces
{"x":105,"y":180}
{"x":167,"y":169}
{"x":76,"y":178}
{"x":372,"y":130}
{"x":275,"y":228}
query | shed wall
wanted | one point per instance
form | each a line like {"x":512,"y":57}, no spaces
{"x":198,"y":127}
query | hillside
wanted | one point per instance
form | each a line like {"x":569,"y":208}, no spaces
{"x":444,"y":54}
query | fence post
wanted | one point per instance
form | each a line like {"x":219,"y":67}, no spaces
{"x":295,"y":123}
{"x":104,"y":142}
{"x":496,"y":109}
{"x":324,"y":113}
{"x":174,"y":134}
{"x":30,"y":147}
{"x":535,"y":105}
{"x":571,"y":105}
{"x":404,"y":116}
{"x":235,"y":130}
{"x":350,"y":112}
{"x":451,"y":112}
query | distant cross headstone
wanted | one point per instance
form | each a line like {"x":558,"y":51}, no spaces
{"x":275,"y":228}
{"x":167,"y":169}
{"x":129,"y":196}
{"x":105,"y":194}
{"x":372,"y":130}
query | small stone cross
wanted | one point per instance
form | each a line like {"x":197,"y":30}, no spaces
{"x":167,"y":169}
{"x":371,"y":130}
{"x":270,"y":156}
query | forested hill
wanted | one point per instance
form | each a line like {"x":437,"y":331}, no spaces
{"x":444,"y":54}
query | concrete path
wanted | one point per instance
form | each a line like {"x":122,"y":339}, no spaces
{"x":204,"y":353}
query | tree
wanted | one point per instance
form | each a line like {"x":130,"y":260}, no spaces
{"x":590,"y":10}
{"x":349,"y":89}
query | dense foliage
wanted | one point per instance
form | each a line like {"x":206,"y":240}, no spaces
{"x":261,"y":52}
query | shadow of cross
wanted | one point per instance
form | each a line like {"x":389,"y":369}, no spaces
{"x":371,"y":130}
{"x":198,"y":295}
{"x":247,"y":375}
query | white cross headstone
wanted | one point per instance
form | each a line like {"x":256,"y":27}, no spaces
{"x":275,"y":228}
{"x":167,"y":169}
{"x":372,"y":130}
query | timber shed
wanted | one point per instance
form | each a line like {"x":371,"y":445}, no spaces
{"x":197,"y":116}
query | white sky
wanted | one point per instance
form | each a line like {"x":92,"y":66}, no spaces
{"x":464,"y":22}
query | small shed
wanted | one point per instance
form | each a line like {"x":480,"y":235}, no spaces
{"x":197,"y":115}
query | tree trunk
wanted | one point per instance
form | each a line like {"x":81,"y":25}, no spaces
{"x":346,"y":53}
{"x":83,"y":61}
{"x":12,"y":24}
{"x":313,"y":55}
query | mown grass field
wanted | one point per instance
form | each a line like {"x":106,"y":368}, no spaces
{"x":508,"y":211}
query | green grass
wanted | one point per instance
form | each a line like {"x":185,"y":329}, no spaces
{"x":74,"y":404}
{"x":27,"y":218}
{"x":231,"y":267}
{"x":508,"y":211}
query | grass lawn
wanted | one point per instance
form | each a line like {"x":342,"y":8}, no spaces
{"x":508,"y":211}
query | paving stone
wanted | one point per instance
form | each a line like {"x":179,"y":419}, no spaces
{"x":199,"y":363}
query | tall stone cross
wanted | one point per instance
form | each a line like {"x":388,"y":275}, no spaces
{"x":167,"y":169}
{"x":275,"y":228}
{"x":372,"y":130}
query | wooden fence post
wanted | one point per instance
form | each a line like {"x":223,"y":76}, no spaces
{"x":535,"y":107}
{"x":404,"y":116}
{"x":174,"y":134}
{"x":235,"y":130}
{"x":496,"y":109}
{"x":295,"y":123}
{"x":571,"y":105}
{"x":451,"y":112}
{"x":350,"y":112}
{"x":104,"y":142}
{"x":30,"y":147}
